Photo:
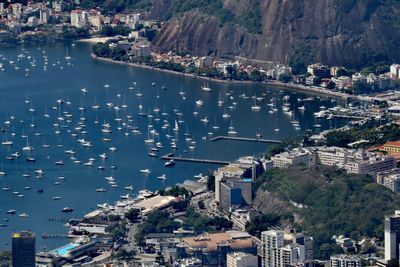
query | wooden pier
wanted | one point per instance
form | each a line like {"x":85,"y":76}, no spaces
{"x":209,"y":161}
{"x":246,"y":139}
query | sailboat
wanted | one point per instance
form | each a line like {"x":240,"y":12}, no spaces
{"x":231,"y":130}
{"x":176,"y":128}
{"x":220,"y":101}
{"x":206,"y":88}
{"x":148,"y":140}
{"x":27,"y":147}
{"x":6,"y":142}
{"x":67,"y":57}
{"x":255,"y":107}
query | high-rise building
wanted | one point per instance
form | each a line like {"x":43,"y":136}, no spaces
{"x":343,"y":260}
{"x":271,"y":241}
{"x":241,"y":259}
{"x":235,"y":192}
{"x":291,"y":255}
{"x":23,"y":249}
{"x":392,"y":236}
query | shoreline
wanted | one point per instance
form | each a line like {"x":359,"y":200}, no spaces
{"x":288,"y":86}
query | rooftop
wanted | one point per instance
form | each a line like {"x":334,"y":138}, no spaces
{"x":210,"y":242}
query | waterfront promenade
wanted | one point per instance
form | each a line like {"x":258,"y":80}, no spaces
{"x":289,"y":86}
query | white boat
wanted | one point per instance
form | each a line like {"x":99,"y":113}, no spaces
{"x":204,"y":120}
{"x":198,"y":176}
{"x":255,"y":107}
{"x":56,"y":198}
{"x":125,"y":196}
{"x":199,"y":103}
{"x":39,"y":172}
{"x":100,"y":190}
{"x":169,"y":163}
{"x":176,"y":128}
{"x":145,"y":171}
{"x":67,"y":209}
{"x":162,"y":177}
{"x":206,"y":88}
{"x":129,"y":187}
{"x":23,"y":215}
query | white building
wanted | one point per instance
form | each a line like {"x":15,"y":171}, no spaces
{"x":395,"y":71}
{"x":291,"y":255}
{"x":33,"y":21}
{"x":294,"y":157}
{"x":240,"y":259}
{"x":390,"y":179}
{"x":226,"y":172}
{"x":331,"y":156}
{"x":95,"y":19}
{"x":271,"y":241}
{"x":342,"y":82}
{"x":43,"y":16}
{"x":78,"y":18}
{"x":58,"y":5}
{"x":279,"y":70}
{"x":369,"y":163}
{"x":392,"y":236}
{"x":358,"y":78}
{"x":343,"y":260}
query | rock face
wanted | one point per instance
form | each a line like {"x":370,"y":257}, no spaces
{"x":336,"y":32}
{"x":268,"y":203}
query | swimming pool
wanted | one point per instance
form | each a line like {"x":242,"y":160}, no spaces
{"x":62,"y":251}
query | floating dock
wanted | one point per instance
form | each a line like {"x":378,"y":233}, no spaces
{"x":209,"y":161}
{"x":246,"y":139}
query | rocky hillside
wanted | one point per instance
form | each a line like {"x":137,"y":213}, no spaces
{"x":344,"y":32}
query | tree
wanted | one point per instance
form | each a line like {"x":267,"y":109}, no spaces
{"x":180,"y":206}
{"x":211,"y":183}
{"x":342,"y":72}
{"x":256,"y":75}
{"x":331,"y":85}
{"x":317,"y":81}
{"x":285,"y":78}
{"x":133,"y":215}
{"x":261,"y":223}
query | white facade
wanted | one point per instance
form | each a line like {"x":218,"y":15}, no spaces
{"x":78,"y":18}
{"x":292,"y":255}
{"x":43,"y":16}
{"x":240,"y":259}
{"x":392,"y":236}
{"x":294,"y":157}
{"x":395,"y":71}
{"x":370,"y":164}
{"x":271,"y":241}
{"x":345,"y":261}
{"x":342,"y":82}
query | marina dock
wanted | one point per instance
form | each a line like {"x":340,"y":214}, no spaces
{"x":209,"y":161}
{"x":246,"y":139}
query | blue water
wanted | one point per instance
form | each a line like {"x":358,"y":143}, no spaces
{"x":64,"y":249}
{"x":42,"y":88}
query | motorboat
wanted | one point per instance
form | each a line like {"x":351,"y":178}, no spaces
{"x":169,"y":163}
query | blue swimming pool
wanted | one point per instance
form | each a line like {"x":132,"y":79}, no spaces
{"x":62,"y":251}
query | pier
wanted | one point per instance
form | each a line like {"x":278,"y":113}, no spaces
{"x":209,"y":161}
{"x":246,"y":139}
{"x":53,"y":236}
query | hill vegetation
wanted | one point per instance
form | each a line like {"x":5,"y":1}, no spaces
{"x":333,"y":203}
